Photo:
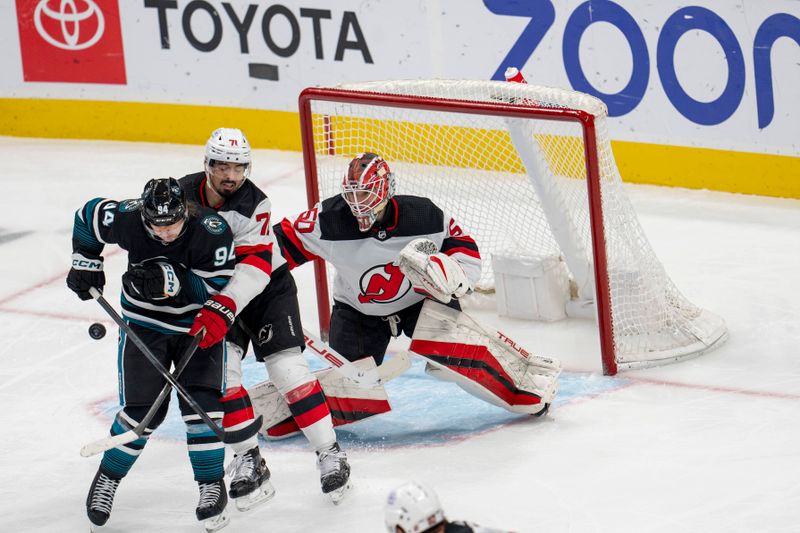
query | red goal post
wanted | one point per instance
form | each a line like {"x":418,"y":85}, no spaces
{"x":548,"y":151}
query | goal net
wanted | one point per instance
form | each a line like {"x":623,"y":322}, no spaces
{"x":528,"y":172}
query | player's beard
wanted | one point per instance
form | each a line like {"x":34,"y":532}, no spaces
{"x":227,"y":188}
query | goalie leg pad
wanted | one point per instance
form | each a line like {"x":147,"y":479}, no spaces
{"x":348,"y":402}
{"x":483,"y":362}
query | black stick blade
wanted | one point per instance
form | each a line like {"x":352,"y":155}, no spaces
{"x":245,"y":433}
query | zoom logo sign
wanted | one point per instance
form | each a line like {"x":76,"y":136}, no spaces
{"x":542,"y":14}
{"x":76,"y":41}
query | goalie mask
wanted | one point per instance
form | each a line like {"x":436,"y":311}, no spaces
{"x":163,"y":209}
{"x":367,"y":188}
{"x":227,"y":149}
{"x":414,"y":507}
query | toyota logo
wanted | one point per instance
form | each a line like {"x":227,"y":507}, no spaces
{"x":69,"y":19}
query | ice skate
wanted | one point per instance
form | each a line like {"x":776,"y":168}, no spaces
{"x":100,"y":500}
{"x":211,"y":507}
{"x":250,"y":484}
{"x":334,"y":472}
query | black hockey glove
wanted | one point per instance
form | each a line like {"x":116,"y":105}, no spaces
{"x":86,"y":272}
{"x":152,"y":281}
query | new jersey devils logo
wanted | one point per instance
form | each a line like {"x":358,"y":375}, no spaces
{"x":383,"y":284}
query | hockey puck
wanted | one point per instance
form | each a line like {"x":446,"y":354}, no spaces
{"x":97,"y":331}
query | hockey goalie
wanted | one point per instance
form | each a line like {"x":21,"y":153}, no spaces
{"x":483,"y":362}
{"x":401,"y":265}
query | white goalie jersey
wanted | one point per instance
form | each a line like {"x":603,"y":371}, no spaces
{"x":367,"y":276}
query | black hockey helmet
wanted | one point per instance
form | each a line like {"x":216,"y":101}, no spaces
{"x":163,"y":202}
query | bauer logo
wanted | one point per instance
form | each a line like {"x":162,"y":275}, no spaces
{"x":73,"y":41}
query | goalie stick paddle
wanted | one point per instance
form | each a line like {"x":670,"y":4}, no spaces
{"x":362,"y":377}
{"x":112,"y":441}
{"x":227,"y":437}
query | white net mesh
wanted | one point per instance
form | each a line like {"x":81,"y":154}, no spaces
{"x":519,"y":186}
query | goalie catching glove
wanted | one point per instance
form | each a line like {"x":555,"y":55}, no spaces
{"x":152,"y":281}
{"x":433,"y":273}
{"x":216,"y":316}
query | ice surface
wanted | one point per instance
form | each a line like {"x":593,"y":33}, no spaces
{"x":707,"y":445}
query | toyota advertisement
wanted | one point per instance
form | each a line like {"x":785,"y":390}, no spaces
{"x":719,"y":75}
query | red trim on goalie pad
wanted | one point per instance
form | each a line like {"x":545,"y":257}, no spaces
{"x":476,"y":363}
{"x":348,"y":410}
{"x":283,"y":428}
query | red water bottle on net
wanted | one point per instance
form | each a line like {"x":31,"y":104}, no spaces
{"x":513,"y":74}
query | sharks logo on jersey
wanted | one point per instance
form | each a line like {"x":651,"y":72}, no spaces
{"x":214,"y":224}
{"x":130,"y":205}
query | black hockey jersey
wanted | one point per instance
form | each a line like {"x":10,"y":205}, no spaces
{"x":248,"y":213}
{"x":367,"y":276}
{"x":204,"y":253}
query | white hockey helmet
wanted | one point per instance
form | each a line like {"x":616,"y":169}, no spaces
{"x":367,"y":188}
{"x":414,"y":507}
{"x":228,"y":145}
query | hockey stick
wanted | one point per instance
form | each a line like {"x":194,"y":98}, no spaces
{"x":371,"y":377}
{"x":227,"y":437}
{"x":131,"y":435}
{"x":362,"y":377}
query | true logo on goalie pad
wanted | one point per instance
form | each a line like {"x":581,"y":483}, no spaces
{"x":520,"y":350}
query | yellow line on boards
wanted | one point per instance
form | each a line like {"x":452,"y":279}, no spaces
{"x":150,"y":122}
{"x":674,"y":166}
{"x":706,"y":168}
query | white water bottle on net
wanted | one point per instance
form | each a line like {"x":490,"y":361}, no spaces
{"x":529,"y":172}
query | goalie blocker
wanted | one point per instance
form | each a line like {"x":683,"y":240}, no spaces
{"x":483,"y":362}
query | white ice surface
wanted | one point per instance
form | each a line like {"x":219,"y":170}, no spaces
{"x":707,"y":445}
